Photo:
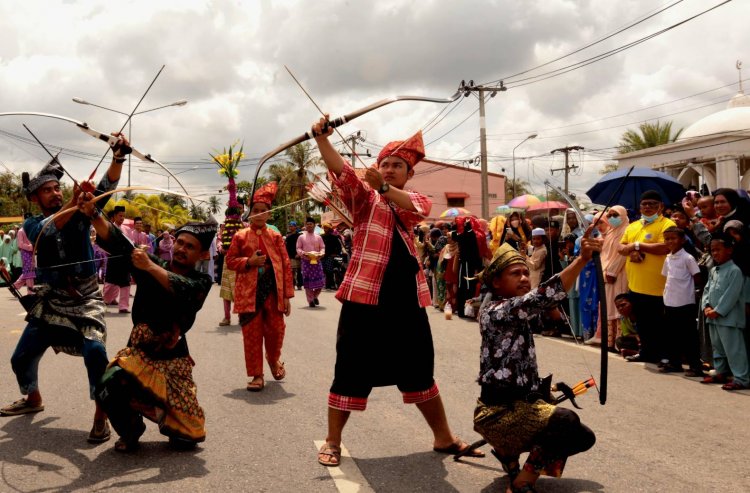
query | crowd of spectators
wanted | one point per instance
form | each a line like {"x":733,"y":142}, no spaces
{"x":677,"y":278}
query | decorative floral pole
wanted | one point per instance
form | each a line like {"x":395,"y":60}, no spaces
{"x":228,"y":162}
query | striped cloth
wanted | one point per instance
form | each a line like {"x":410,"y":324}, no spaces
{"x":373,"y":232}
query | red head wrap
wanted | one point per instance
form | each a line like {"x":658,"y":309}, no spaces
{"x":266,"y":193}
{"x":410,"y":150}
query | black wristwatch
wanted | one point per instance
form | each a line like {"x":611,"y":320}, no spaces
{"x":384,"y":188}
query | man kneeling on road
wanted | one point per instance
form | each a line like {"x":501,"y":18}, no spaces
{"x":152,"y":376}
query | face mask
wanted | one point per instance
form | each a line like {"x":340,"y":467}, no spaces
{"x":515,"y":223}
{"x":615,"y":221}
{"x":650,"y":219}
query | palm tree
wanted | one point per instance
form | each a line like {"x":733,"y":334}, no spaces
{"x":213,"y":204}
{"x":197,"y":212}
{"x":304,"y":162}
{"x":651,"y":135}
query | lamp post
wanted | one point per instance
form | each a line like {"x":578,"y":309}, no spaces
{"x":167,"y":176}
{"x":532,"y":136}
{"x":181,"y":102}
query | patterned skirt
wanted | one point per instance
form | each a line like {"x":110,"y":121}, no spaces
{"x":27,"y":258}
{"x":228,"y":279}
{"x":313,"y":276}
{"x":165,"y":391}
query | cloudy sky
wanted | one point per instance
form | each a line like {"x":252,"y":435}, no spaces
{"x":227,"y":59}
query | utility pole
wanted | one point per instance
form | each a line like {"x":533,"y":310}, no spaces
{"x":483,"y":137}
{"x":352,"y":139}
{"x":567,"y":169}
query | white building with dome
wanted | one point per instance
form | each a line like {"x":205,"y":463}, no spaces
{"x":714,"y":151}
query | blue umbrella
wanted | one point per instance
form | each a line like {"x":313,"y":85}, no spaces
{"x":639,"y":181}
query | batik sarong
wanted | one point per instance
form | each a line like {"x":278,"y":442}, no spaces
{"x":161,"y":390}
{"x":313,"y":276}
{"x":511,"y":429}
{"x":79,"y":308}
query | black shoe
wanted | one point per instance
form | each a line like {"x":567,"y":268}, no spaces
{"x":311,"y":304}
{"x":636,"y":358}
{"x":671,"y":369}
{"x":316,"y":302}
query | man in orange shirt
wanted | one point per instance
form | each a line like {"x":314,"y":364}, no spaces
{"x":262,"y":289}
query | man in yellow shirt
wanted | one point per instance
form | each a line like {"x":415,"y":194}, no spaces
{"x":643,"y":244}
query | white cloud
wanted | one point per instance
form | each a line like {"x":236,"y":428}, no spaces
{"x":227,"y":58}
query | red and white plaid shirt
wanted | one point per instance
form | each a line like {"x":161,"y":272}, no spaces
{"x":373,"y":233}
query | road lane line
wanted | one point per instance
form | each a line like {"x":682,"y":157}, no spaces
{"x":347,"y":477}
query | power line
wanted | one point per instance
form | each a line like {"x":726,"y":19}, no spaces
{"x":578,"y":65}
{"x":586,"y":46}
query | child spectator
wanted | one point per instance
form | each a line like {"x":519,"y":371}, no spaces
{"x":723,"y":304}
{"x":691,"y":244}
{"x":537,"y":259}
{"x":682,"y":272}
{"x":627,"y":343}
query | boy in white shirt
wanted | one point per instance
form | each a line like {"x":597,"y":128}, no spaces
{"x":682,"y":271}
{"x":537,"y":259}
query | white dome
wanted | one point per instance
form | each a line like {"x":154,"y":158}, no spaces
{"x":735,"y":117}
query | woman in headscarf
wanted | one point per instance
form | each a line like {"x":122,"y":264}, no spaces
{"x":589,"y":292}
{"x":447,"y":271}
{"x":730,"y":206}
{"x":516,"y":231}
{"x":612,"y":228}
{"x":165,"y":246}
{"x":27,"y":258}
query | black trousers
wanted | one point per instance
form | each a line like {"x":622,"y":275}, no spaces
{"x":649,"y":312}
{"x":682,"y":335}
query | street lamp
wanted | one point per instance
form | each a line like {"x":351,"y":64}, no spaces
{"x":532,"y":136}
{"x":167,"y":176}
{"x":181,"y":102}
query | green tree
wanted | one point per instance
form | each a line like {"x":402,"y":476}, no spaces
{"x":649,"y":135}
{"x":198,"y":212}
{"x":608,"y":168}
{"x":172,"y":200}
{"x":305,"y":163}
{"x":13,"y":201}
{"x":522,"y":188}
{"x":214,"y":205}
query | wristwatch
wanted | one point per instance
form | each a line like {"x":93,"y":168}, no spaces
{"x":384,"y":188}
{"x":637,"y":246}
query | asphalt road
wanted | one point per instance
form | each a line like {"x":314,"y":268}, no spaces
{"x":657,"y":433}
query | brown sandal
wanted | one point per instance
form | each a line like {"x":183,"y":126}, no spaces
{"x":256,"y":385}
{"x":280,"y":372}
{"x":333,"y":452}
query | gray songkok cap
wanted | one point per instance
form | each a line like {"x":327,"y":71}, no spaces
{"x":52,"y":171}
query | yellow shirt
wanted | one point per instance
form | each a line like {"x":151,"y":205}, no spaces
{"x":645,"y":277}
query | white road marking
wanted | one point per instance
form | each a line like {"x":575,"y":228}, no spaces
{"x":347,"y":477}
